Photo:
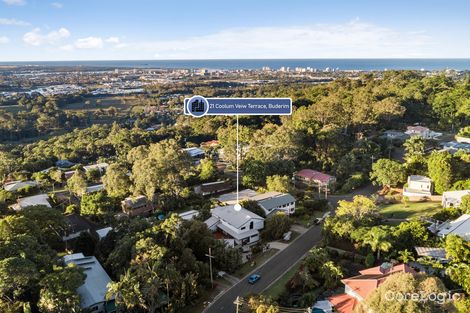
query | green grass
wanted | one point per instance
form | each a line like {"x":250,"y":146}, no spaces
{"x":306,"y":220}
{"x":259,"y":259}
{"x":279,"y":286}
{"x":411,"y":210}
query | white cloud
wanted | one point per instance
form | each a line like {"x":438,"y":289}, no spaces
{"x":13,"y":22}
{"x":354,"y":39}
{"x":57,"y":5}
{"x":89,"y":43}
{"x":114,"y":40}
{"x":37,"y":38}
{"x":4,"y":40}
{"x":15,"y":2}
{"x":67,"y":47}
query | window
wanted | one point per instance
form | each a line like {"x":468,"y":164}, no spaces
{"x":243,"y":228}
{"x":251,"y":225}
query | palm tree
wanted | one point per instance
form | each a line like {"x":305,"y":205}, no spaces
{"x":377,"y":239}
{"x":331,"y":273}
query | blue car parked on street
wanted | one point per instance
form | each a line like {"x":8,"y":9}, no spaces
{"x":253,"y":278}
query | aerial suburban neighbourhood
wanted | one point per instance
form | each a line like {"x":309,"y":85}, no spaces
{"x":234,"y":157}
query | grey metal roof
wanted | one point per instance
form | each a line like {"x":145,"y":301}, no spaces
{"x":275,"y":202}
{"x":234,"y":218}
{"x":432,"y":252}
{"x":94,"y":289}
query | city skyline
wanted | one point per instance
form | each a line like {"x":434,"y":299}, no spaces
{"x":32,"y":30}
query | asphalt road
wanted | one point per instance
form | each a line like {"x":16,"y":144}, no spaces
{"x":270,"y":271}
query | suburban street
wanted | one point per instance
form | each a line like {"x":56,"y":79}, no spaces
{"x":270,"y":271}
{"x":281,"y":262}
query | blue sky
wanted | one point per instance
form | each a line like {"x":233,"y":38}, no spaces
{"x":145,"y":29}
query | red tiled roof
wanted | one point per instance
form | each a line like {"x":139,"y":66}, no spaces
{"x":396,"y":268}
{"x":211,"y":143}
{"x":363,"y":285}
{"x":371,"y":278}
{"x":314,"y":175}
{"x":343,"y":303}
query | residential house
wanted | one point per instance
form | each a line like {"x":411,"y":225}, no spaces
{"x":95,"y":188}
{"x":422,"y":131}
{"x":270,"y":202}
{"x":136,"y":206}
{"x":241,"y":227}
{"x":76,"y":225}
{"x":459,"y":227}
{"x":438,"y":254}
{"x":14,"y":186}
{"x":394,"y":135}
{"x":213,"y":187}
{"x":103,"y":232}
{"x":309,"y":177}
{"x":64,"y":164}
{"x":231,"y":198}
{"x":357,"y":288}
{"x":93,"y":291}
{"x":195,"y":153}
{"x":42,"y":199}
{"x":189,"y":215}
{"x":100,"y":167}
{"x":282,"y":202}
{"x":453,"y":198}
{"x":454,"y":146}
{"x":418,"y":186}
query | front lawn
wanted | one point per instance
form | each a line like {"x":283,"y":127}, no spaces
{"x":279,"y":286}
{"x":259,"y":259}
{"x":411,"y":210}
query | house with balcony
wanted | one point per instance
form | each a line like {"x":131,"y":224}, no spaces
{"x":279,"y":202}
{"x":309,"y":177}
{"x":240,"y":228}
{"x":418,"y":186}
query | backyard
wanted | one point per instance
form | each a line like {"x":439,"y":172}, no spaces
{"x":410,"y":209}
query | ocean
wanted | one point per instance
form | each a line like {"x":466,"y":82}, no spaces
{"x":321,"y":64}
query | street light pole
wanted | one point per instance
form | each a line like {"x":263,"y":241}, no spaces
{"x":237,"y":302}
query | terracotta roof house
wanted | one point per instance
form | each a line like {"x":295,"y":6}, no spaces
{"x":315,"y":178}
{"x":357,"y":288}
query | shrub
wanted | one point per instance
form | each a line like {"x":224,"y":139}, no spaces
{"x":369,"y":260}
{"x":275,"y":226}
{"x":354,"y":181}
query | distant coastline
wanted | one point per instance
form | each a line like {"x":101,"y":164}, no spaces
{"x":234,"y":64}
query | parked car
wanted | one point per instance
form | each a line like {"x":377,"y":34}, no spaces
{"x":253,"y":278}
